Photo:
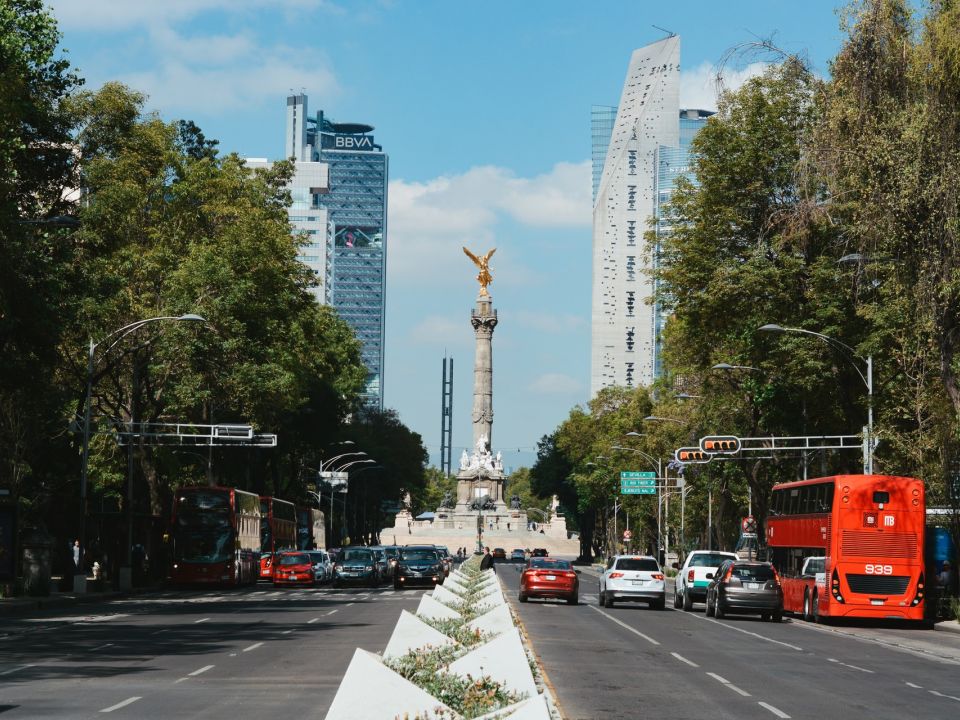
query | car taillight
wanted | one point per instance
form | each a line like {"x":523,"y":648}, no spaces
{"x":918,"y":598}
{"x":615,"y":575}
{"x":657,"y":576}
{"x":569,"y":574}
{"x":729,"y":574}
{"x":776,"y":576}
{"x":690,"y":576}
{"x":835,"y":586}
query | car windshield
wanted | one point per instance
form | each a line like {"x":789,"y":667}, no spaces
{"x":707,"y":559}
{"x":753,"y":573}
{"x":815,"y":565}
{"x":419,"y":555}
{"x":316,"y":557}
{"x":356,"y":556}
{"x":392,"y":552}
{"x":638,"y":564}
{"x":298,"y":559}
{"x":550,"y":564}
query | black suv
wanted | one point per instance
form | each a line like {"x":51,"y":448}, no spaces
{"x":418,"y":565}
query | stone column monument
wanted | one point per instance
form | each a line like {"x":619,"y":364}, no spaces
{"x":480,"y":481}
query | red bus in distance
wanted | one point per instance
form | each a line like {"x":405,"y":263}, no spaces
{"x":278,"y":531}
{"x":216,"y":536}
{"x":850,"y":546}
{"x":311,"y":529}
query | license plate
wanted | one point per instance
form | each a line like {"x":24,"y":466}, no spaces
{"x":550,"y":577}
{"x":753,"y":586}
{"x":292,"y":577}
{"x":876,"y":602}
{"x":639,"y":582}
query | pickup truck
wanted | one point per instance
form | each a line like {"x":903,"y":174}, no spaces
{"x":695,"y":574}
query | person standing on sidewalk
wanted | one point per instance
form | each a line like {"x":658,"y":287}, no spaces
{"x":486,"y":562}
{"x":76,"y":556}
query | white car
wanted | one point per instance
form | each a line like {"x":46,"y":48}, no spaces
{"x":322,"y":567}
{"x":634,"y":578}
{"x":691,"y":583}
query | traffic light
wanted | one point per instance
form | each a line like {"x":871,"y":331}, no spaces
{"x":688,"y":455}
{"x":720,"y":444}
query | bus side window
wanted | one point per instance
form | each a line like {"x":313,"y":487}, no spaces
{"x":828,"y":497}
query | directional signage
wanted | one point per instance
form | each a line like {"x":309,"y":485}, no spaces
{"x":652,"y":482}
{"x":637,"y":490}
{"x":634,"y":475}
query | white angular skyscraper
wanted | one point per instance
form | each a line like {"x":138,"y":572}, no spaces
{"x":624,"y":323}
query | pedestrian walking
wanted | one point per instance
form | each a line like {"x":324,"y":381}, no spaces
{"x":486,"y":562}
{"x":76,"y":556}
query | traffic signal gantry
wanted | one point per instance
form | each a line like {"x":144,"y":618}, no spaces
{"x":712,"y":446}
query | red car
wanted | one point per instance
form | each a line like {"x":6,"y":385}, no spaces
{"x":293,"y":568}
{"x":546,"y":577}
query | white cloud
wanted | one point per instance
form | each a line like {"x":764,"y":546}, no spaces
{"x":439,"y":330}
{"x":115,"y":15}
{"x":549,"y":322}
{"x":698,"y":87}
{"x":556,"y":384}
{"x":429,"y":221}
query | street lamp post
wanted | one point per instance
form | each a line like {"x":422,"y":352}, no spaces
{"x":325,"y":467}
{"x":119,"y":334}
{"x":867,"y":378}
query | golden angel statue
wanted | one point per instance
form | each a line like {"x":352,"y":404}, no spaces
{"x":483,"y":277}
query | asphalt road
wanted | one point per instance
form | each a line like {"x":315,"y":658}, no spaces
{"x":630,"y":662}
{"x":249,"y":653}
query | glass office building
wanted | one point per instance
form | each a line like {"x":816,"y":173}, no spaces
{"x":602,"y":118}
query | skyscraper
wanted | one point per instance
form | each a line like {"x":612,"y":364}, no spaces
{"x":643,"y":151}
{"x":340,"y":202}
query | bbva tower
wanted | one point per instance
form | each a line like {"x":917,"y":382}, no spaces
{"x":640,"y":148}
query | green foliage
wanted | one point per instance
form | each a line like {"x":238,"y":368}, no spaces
{"x":428,"y":497}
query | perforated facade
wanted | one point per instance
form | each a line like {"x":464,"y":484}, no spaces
{"x":623,"y":322}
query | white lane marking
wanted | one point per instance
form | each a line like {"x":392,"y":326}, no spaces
{"x":682,"y":659}
{"x":100,"y":647}
{"x":253,"y":647}
{"x":128,"y":701}
{"x":940,"y":694}
{"x":160,"y":631}
{"x":286,"y":632}
{"x":332,"y":611}
{"x":197,"y":622}
{"x":728,"y":684}
{"x":852,"y":667}
{"x":201,"y":670}
{"x":891,"y":644}
{"x":349,"y":604}
{"x":389,"y":592}
{"x":311,"y":622}
{"x":914,"y":685}
{"x":746,"y":632}
{"x":17,"y":669}
{"x":776,"y":711}
{"x":624,"y":625}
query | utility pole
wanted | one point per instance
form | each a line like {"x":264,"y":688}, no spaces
{"x":446,"y":416}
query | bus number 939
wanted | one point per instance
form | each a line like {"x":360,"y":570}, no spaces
{"x":879,"y":569}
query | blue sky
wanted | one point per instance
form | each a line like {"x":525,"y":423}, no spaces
{"x":484,"y":109}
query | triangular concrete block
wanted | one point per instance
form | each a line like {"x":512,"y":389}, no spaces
{"x":430,"y":608}
{"x":446,"y":596}
{"x":496,"y":621}
{"x":534,"y":708}
{"x":412,"y":633}
{"x":371,"y":691}
{"x":503,"y":659}
{"x":452,"y":583}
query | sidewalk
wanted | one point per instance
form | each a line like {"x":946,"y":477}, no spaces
{"x":63,"y":599}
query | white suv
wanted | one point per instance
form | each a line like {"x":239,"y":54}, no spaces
{"x":632,"y":577}
{"x":692,"y":580}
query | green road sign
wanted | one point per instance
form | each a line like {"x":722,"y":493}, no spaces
{"x":634,"y":475}
{"x":638,"y":490}
{"x":638,"y":483}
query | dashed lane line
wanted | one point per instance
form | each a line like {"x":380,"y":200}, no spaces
{"x":287,"y":632}
{"x":201,"y":670}
{"x":349,"y":604}
{"x":332,"y":611}
{"x":726,"y":683}
{"x":747,"y":632}
{"x":16,"y":669}
{"x":776,"y":711}
{"x":940,"y":694}
{"x":128,"y":701}
{"x":252,"y":647}
{"x":682,"y":659}
{"x":625,"y":626}
{"x":852,"y":667}
{"x":201,"y":620}
{"x":914,"y":685}
{"x":100,"y":647}
{"x":311,"y":622}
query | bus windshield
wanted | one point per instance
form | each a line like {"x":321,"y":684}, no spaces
{"x":203,"y":545}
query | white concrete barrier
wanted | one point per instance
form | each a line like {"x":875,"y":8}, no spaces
{"x":503,"y":659}
{"x":412,"y":633}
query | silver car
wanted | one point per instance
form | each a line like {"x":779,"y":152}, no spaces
{"x":322,"y":567}
{"x":634,"y":578}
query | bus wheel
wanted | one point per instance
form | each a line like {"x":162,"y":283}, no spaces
{"x":807,"y":615}
{"x":815,"y":610}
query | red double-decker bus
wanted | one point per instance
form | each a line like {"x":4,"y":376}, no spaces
{"x":216,"y":536}
{"x":278,"y":531}
{"x":850,"y":546}
{"x":311,"y":529}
